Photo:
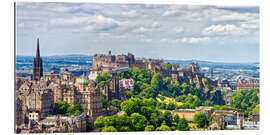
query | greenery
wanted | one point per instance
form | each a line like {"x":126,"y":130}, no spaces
{"x":76,"y":109}
{"x":139,"y":122}
{"x":146,"y":107}
{"x":63,"y":107}
{"x":201,"y":120}
{"x":116,"y":103}
{"x":182,"y":125}
{"x":223,"y":107}
{"x":163,"y":127}
{"x":246,"y":100}
{"x":103,"y":78}
{"x":109,"y":129}
{"x":168,"y":66}
{"x":149,"y":128}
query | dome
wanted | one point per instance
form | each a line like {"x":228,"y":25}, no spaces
{"x":83,"y":81}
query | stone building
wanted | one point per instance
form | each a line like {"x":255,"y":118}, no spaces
{"x":125,"y":85}
{"x":37,"y":100}
{"x":83,"y":92}
{"x":247,"y":84}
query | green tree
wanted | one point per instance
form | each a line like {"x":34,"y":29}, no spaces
{"x":245,"y":100}
{"x":76,"y":109}
{"x":167,"y":117}
{"x":139,"y":122}
{"x":122,"y":121}
{"x":129,"y":106}
{"x":176,"y":118}
{"x":109,"y":129}
{"x":157,"y":81}
{"x":207,"y":103}
{"x":125,"y":129}
{"x":61,"y":107}
{"x":147,"y":111}
{"x":116,"y":103}
{"x":168,"y":66}
{"x":163,"y":127}
{"x":103,"y":78}
{"x":100,"y":122}
{"x":182,"y":125}
{"x":149,"y":92}
{"x":149,"y":128}
{"x":171,"y":106}
{"x":201,"y":120}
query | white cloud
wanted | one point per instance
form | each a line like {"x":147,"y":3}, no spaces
{"x":228,"y":29}
{"x":131,"y":13}
{"x":193,"y":40}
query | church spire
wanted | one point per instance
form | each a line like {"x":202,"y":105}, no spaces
{"x":37,"y":65}
{"x":37,"y":53}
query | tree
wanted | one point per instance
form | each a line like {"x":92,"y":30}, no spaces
{"x":116,"y":103}
{"x":149,"y":92}
{"x":163,"y":127}
{"x":61,"y":107}
{"x":100,"y":122}
{"x":76,"y":109}
{"x":176,"y":118}
{"x":105,"y":102}
{"x":149,"y":128}
{"x":103,"y":78}
{"x":168,"y":66}
{"x":146,"y":111}
{"x":182,"y":125}
{"x":129,"y":106}
{"x":122,"y":121}
{"x":201,"y":120}
{"x":125,"y":129}
{"x":245,"y":100}
{"x":157,"y":81}
{"x":167,"y":117}
{"x":156,"y":118}
{"x":171,"y":106}
{"x":109,"y":129}
{"x":207,"y":103}
{"x":139,"y":122}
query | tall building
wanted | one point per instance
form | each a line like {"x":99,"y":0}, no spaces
{"x":37,"y":65}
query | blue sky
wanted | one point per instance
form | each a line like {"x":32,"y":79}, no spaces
{"x":176,"y":32}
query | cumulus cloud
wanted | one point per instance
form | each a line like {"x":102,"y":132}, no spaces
{"x":164,"y":23}
{"x":228,"y":29}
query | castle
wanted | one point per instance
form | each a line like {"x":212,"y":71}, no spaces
{"x":112,"y":63}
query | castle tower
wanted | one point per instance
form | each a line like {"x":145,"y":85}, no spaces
{"x":37,"y":66}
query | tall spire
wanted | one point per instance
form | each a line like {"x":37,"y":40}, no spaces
{"x":37,"y":65}
{"x":37,"y":53}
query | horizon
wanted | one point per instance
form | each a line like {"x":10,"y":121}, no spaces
{"x":85,"y":55}
{"x":173,"y":32}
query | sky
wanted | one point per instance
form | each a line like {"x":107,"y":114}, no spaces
{"x":174,"y":32}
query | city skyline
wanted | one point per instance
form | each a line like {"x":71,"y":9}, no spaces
{"x":175,"y":32}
